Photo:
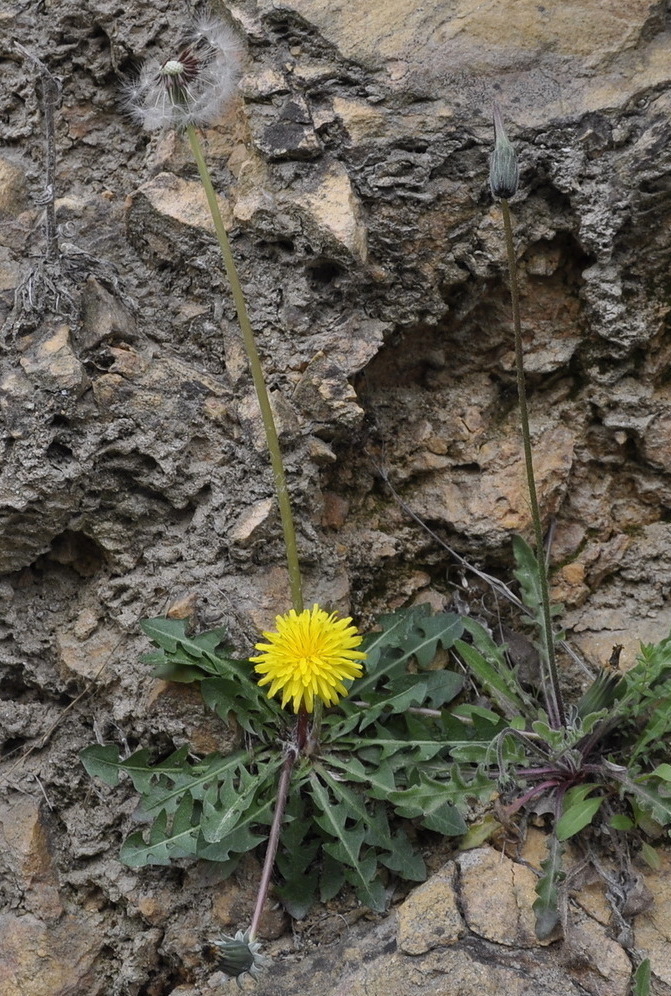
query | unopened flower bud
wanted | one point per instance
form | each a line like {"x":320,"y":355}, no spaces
{"x":504,"y":172}
{"x":239,"y":956}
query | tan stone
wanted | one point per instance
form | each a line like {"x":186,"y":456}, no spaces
{"x":27,"y":847}
{"x":425,"y":947}
{"x":653,"y":928}
{"x":184,"y":607}
{"x":502,"y":912}
{"x":596,"y":630}
{"x":53,"y":361}
{"x":324,"y":388}
{"x":284,"y":416}
{"x":41,"y":960}
{"x":85,"y":657}
{"x":588,"y":941}
{"x":574,"y":573}
{"x":494,"y":498}
{"x":86,"y":624}
{"x":331,"y":209}
{"x":430,"y":917}
{"x":182,"y":201}
{"x":13,"y":190}
{"x":369,"y":124}
{"x":320,"y":452}
{"x":552,"y":56}
{"x":252,"y":521}
{"x":568,"y":584}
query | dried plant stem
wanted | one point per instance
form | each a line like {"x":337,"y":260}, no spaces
{"x":556,"y":706}
{"x":50,"y":94}
{"x":257,"y":376}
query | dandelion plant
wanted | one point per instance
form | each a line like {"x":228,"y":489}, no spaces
{"x":352,"y":746}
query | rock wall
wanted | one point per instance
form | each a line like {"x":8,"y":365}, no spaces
{"x":352,"y":170}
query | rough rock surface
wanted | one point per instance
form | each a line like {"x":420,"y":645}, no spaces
{"x":352,"y":168}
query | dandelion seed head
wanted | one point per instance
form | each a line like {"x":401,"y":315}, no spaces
{"x":310,"y":657}
{"x":173,"y":67}
{"x":190,"y":87}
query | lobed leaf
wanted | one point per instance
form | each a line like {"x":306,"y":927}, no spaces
{"x":167,"y":839}
{"x":345,"y":845}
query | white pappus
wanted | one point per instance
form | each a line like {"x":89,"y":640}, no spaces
{"x":193,"y":86}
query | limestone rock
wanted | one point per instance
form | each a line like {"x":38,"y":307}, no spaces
{"x":434,"y":46}
{"x":353,"y":174}
{"x":28,"y":856}
{"x":164,"y":207}
{"x":104,"y":317}
{"x":332,"y":211}
{"x":53,"y":361}
{"x":467,"y":933}
{"x":430,"y":916}
{"x":87,"y":657}
{"x":13,"y":193}
{"x":285,"y":131}
{"x":502,"y":912}
{"x":55,"y":960}
{"x":250,"y":524}
{"x":652,"y":926}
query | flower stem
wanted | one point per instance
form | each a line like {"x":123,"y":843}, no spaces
{"x":257,"y":375}
{"x":273,"y":841}
{"x":555,"y":701}
{"x":293,"y":752}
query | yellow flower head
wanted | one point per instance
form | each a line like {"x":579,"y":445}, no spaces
{"x":309,"y":655}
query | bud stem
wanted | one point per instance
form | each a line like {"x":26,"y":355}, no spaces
{"x":555,"y":702}
{"x":257,"y":376}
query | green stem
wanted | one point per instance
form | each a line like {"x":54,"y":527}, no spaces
{"x":556,"y":707}
{"x":257,"y":375}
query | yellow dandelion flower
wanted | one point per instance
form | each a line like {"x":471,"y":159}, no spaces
{"x":309,"y":657}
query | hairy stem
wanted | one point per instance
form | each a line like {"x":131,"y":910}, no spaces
{"x":257,"y":376}
{"x":555,"y":701}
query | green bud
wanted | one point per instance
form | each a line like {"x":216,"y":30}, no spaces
{"x":240,"y":956}
{"x":504,"y":172}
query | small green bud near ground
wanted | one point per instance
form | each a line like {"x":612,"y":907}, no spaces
{"x":240,"y":956}
{"x":504,"y":172}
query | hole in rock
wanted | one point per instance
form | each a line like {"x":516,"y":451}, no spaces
{"x":78,"y":551}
